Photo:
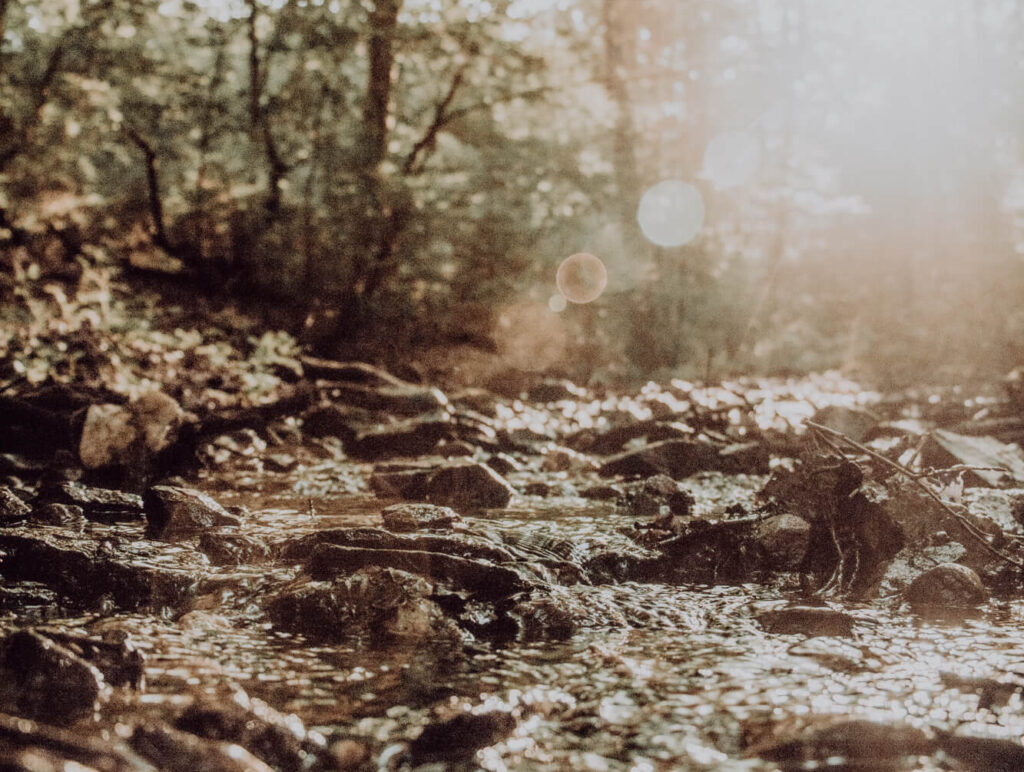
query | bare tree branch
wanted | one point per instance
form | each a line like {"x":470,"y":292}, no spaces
{"x":156,"y":206}
{"x":413,"y":163}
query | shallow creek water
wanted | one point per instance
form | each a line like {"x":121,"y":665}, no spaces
{"x":690,"y":681}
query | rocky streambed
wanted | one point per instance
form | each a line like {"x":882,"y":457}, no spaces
{"x":372,"y":574}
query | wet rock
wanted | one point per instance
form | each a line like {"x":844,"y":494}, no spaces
{"x":503,"y":464}
{"x":557,"y":459}
{"x":468,"y":486}
{"x":674,"y":458}
{"x":44,"y":681}
{"x":648,"y":497}
{"x":601,"y":492}
{"x":174,"y":513}
{"x":402,"y":481}
{"x":463,"y":545}
{"x":63,"y":515}
{"x":458,"y":738}
{"x":712,"y":551}
{"x":744,"y":458}
{"x":855,"y":423}
{"x":784,"y":540}
{"x":32,"y":747}
{"x":279,"y":462}
{"x":114,"y":435}
{"x":100,"y":504}
{"x":277,"y":739}
{"x":858,"y":743}
{"x":405,"y":518}
{"x":12,"y":508}
{"x":173,"y":750}
{"x":135,"y":575}
{"x":374,"y":604}
{"x":400,"y":398}
{"x":983,"y":754}
{"x":857,"y":528}
{"x":986,"y":455}
{"x":114,"y":655}
{"x":232,"y":549}
{"x":329,"y":421}
{"x":947,"y":585}
{"x":476,"y":576}
{"x":416,"y":437}
{"x":350,"y":754}
{"x":922,"y":520}
{"x":806,"y":620}
{"x":348,"y":372}
{"x":613,"y":440}
{"x":107,"y":436}
{"x":454,"y":449}
{"x":554,"y":390}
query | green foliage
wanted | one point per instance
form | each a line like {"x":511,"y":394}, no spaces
{"x":403,"y":171}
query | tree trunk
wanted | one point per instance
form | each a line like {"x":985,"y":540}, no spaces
{"x":619,"y":60}
{"x":383,"y":21}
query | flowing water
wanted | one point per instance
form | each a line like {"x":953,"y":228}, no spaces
{"x":675,"y":678}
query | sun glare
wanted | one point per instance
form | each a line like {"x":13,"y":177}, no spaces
{"x":671,"y":213}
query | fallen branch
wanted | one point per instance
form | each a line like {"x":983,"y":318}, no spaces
{"x":918,"y":478}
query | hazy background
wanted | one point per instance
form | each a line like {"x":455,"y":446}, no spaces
{"x":769,"y":185}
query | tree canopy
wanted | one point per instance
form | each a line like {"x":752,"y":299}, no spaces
{"x":409,"y":171}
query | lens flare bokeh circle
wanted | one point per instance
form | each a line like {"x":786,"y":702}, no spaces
{"x":732,"y":158}
{"x":581,"y":278}
{"x":671,"y":213}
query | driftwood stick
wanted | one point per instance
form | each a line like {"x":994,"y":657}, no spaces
{"x":825,"y":432}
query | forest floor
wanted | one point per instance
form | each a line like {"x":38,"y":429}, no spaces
{"x":219,"y":551}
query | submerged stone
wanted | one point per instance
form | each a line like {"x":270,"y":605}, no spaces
{"x":855,"y":743}
{"x":806,"y":620}
{"x":458,"y":738}
{"x":947,"y":585}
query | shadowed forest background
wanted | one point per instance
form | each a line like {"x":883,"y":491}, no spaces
{"x":399,"y":181}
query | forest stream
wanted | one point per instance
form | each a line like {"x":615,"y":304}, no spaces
{"x":601,"y":615}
